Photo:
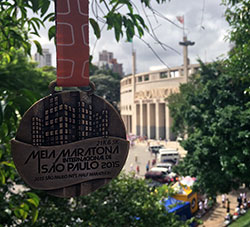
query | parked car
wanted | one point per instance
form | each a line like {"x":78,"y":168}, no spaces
{"x":168,"y":155}
{"x":166,"y":165}
{"x":155,"y":148}
{"x":160,"y":175}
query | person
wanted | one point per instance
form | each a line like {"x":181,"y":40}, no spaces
{"x":236,"y":213}
{"x":242,"y":210}
{"x":239,"y":200}
{"x":244,"y":196}
{"x":131,"y":167}
{"x":147,"y":166}
{"x":201,"y":206}
{"x":223,"y":199}
{"x":206,"y":204}
{"x":228,"y":205}
{"x":227,"y":219}
{"x":153,"y":162}
{"x":138,"y":169}
{"x":245,"y":203}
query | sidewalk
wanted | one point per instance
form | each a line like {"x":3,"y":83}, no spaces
{"x":215,"y":217}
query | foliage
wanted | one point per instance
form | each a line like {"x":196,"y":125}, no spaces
{"x":107,"y":84}
{"x":213,"y":111}
{"x":21,"y":85}
{"x":238,"y":16}
{"x":125,"y":201}
{"x":107,"y":87}
{"x":122,"y":18}
{"x":215,"y":114}
{"x":16,"y":25}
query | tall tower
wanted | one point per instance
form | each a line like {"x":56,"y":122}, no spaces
{"x":185,"y":45}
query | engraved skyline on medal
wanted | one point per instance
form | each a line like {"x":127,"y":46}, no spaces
{"x":64,"y":123}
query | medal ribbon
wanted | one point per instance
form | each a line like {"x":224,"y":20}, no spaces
{"x":72,"y":43}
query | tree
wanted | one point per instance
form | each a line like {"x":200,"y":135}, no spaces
{"x":237,"y":15}
{"x":107,"y":84}
{"x":214,"y":112}
{"x":21,"y":85}
{"x":16,"y":24}
{"x":213,"y":109}
{"x":107,"y":87}
{"x":125,"y":201}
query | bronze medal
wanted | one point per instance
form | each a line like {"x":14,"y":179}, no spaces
{"x":70,"y":144}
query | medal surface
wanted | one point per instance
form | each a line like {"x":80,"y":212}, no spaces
{"x":70,"y":144}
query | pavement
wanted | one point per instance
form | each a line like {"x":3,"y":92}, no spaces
{"x":215,"y":217}
{"x":140,"y":156}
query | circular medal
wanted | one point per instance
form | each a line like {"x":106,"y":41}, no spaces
{"x":70,"y":144}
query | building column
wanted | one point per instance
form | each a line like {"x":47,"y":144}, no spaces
{"x":138,"y":120}
{"x":152,"y":121}
{"x":167,"y":123}
{"x":148,"y":121}
{"x":162,"y":117}
{"x":160,"y":120}
{"x":130,"y":124}
{"x":157,"y":122}
{"x":141,"y":118}
{"x":127,"y":125}
{"x":144,"y":120}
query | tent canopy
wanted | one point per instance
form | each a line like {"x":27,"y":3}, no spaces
{"x":180,"y":208}
{"x":173,"y":205}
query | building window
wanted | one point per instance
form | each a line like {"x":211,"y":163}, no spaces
{"x":146,"y":77}
{"x":173,"y":74}
{"x":140,"y":79}
{"x":164,"y":75}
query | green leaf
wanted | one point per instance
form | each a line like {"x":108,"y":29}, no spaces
{"x":52,"y":32}
{"x":34,"y":215}
{"x":33,"y":202}
{"x":7,"y":164}
{"x":2,"y":176}
{"x":1,"y":114}
{"x":34,"y":199}
{"x":50,"y":16}
{"x":44,"y":6}
{"x":35,"y":5}
{"x":95,"y":27}
{"x":38,"y":47}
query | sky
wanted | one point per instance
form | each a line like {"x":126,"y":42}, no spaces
{"x":204,"y":24}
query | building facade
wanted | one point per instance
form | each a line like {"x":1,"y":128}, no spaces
{"x":43,"y":60}
{"x":107,"y":61}
{"x":144,"y":107}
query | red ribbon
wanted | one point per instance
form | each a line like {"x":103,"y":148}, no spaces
{"x":72,"y":43}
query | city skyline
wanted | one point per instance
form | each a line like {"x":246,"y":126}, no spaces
{"x":204,"y":25}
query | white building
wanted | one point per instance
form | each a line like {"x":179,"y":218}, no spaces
{"x":43,"y":60}
{"x":144,"y":107}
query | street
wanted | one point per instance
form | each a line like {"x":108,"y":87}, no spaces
{"x":139,"y":155}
